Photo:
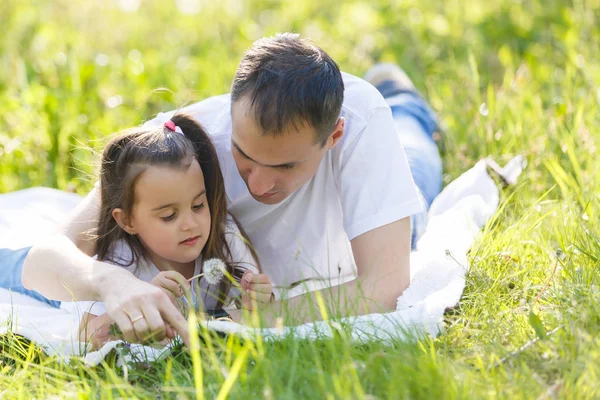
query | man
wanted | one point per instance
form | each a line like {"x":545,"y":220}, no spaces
{"x":316,"y":175}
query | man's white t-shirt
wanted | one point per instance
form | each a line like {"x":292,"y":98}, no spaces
{"x":363,"y":183}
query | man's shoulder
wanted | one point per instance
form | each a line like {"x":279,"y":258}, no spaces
{"x":363,"y":104}
{"x":209,"y":105}
{"x":360,"y":97}
{"x":212,"y":113}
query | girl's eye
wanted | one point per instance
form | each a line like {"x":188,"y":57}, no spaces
{"x":198,"y":207}
{"x":168,"y":218}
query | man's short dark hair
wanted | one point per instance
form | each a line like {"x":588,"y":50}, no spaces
{"x":290,"y":81}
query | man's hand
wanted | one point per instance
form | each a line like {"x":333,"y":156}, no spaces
{"x":142,"y":311}
{"x":257,"y":288}
{"x":173,"y":283}
{"x":57,"y":269}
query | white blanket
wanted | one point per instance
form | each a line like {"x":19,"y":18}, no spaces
{"x":438,"y":268}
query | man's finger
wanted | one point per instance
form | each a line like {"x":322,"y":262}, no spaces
{"x":156,"y":325}
{"x":173,"y":317}
{"x":125,"y":326}
{"x":141,"y":330}
{"x":170,"y":332}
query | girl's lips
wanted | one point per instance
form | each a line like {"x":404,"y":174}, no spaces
{"x":190,"y":241}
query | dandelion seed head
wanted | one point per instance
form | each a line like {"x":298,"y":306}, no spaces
{"x":214,"y":270}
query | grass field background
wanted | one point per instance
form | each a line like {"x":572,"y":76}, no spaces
{"x":507,"y":77}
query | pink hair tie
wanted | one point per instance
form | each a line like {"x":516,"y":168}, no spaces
{"x":170,"y":125}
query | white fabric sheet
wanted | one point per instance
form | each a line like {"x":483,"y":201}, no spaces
{"x":438,"y":268}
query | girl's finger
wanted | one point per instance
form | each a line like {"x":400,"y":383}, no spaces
{"x":246,"y":302}
{"x":169,"y":293}
{"x":246,"y":279}
{"x":260,"y":278}
{"x":259,"y":296}
{"x":177,"y":277}
{"x":172,"y":286}
{"x":261,"y":287}
{"x":101,"y":336}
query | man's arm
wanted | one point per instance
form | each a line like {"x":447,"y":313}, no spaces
{"x":81,"y":225}
{"x":60,"y":267}
{"x":59,"y":270}
{"x":382,"y":257}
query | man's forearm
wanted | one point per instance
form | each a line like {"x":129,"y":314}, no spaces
{"x":358,"y":297}
{"x":57,"y":269}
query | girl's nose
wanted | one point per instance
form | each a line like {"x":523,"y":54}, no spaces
{"x":190,"y":222}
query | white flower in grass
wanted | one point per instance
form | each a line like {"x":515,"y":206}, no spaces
{"x":213,"y":270}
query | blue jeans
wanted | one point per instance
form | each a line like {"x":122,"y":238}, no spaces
{"x":416,"y":124}
{"x":11,"y":270}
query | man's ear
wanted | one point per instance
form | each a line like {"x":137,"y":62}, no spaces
{"x":338,"y":132}
{"x":123,"y":221}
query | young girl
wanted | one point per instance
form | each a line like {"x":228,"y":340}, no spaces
{"x":163,"y":212}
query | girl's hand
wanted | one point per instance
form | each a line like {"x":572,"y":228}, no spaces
{"x":95,"y":329}
{"x":257,"y":288}
{"x":173,"y":283}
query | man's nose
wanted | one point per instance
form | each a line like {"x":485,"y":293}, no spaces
{"x":259,"y":181}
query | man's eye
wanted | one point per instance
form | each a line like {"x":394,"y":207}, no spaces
{"x":169,"y":218}
{"x":241,"y":152}
{"x":198,"y":207}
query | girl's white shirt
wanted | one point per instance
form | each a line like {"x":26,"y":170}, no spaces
{"x":146,"y":271}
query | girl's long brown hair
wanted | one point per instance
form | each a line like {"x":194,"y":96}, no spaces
{"x":127,"y":156}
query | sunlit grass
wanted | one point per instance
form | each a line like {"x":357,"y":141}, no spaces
{"x":507,"y":78}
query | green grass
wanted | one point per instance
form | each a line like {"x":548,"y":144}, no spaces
{"x":529,"y":321}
